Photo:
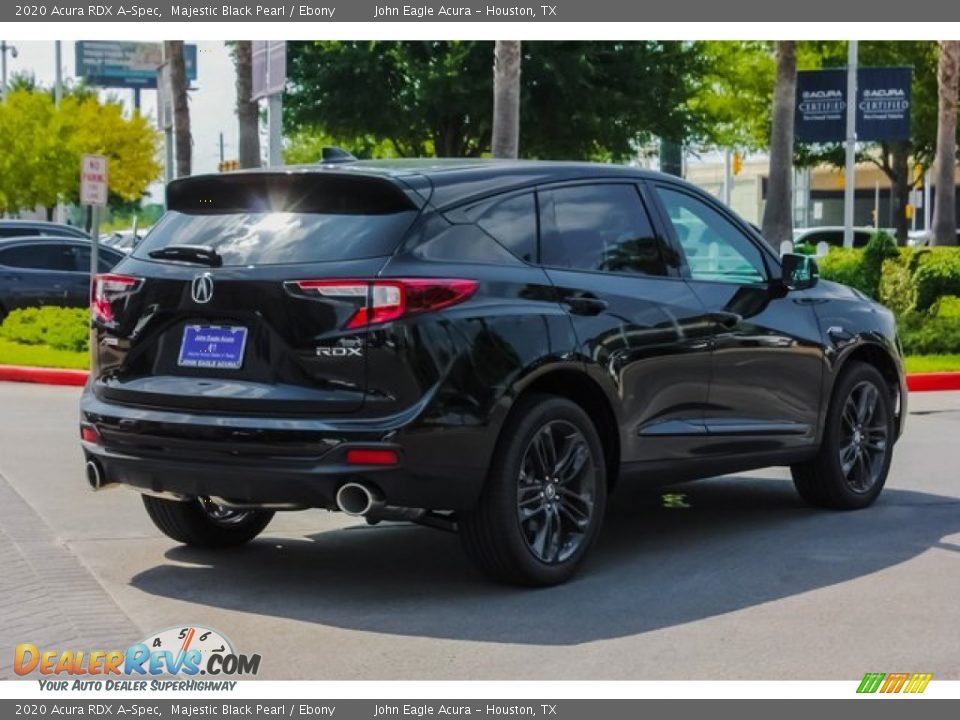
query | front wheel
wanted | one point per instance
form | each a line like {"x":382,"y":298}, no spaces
{"x":851,"y":468}
{"x":202,"y":523}
{"x":544,"y":500}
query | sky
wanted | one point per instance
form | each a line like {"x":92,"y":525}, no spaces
{"x":212,"y":103}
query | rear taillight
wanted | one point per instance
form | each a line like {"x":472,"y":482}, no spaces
{"x":108,"y":288}
{"x":391,"y":299}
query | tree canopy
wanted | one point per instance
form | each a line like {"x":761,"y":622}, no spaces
{"x":580,"y":100}
{"x":41,"y":145}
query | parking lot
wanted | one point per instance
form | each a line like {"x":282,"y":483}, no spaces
{"x":733,"y":579}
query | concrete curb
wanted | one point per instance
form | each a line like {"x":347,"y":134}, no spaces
{"x":916,"y":382}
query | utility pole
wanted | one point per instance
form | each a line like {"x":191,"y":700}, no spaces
{"x":221,"y":148}
{"x":57,"y":97}
{"x":4,"y":49}
{"x":850,"y":184}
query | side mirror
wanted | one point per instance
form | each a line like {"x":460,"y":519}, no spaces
{"x":800,"y":272}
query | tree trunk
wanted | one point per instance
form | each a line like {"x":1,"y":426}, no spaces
{"x":778,"y":211}
{"x":505,"y":142}
{"x":181,"y":110}
{"x":944,"y":173}
{"x":900,"y":181}
{"x":248,"y":111}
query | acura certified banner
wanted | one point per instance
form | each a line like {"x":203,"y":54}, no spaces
{"x":883,"y":104}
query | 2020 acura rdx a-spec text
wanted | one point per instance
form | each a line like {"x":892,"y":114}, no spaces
{"x":485,"y":346}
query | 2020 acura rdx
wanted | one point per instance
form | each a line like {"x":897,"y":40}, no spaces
{"x":485,"y":346}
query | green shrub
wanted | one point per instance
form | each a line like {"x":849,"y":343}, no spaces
{"x":56,"y":327}
{"x":844,"y":265}
{"x":947,"y":307}
{"x":898,"y":291}
{"x":924,"y":334}
{"x":882,"y":247}
{"x":936,"y":273}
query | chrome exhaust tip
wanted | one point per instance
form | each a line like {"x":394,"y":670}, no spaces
{"x":355,"y":499}
{"x":94,"y":475}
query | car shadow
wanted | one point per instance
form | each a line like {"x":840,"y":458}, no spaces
{"x":664,"y":559}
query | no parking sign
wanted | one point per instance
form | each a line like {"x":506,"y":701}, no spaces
{"x":93,"y":180}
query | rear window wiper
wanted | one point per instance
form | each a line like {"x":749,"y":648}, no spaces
{"x":200,"y":254}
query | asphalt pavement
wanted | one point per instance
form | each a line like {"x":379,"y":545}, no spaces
{"x":732,"y":578}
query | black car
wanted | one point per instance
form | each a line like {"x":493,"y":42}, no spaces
{"x":38,"y":228}
{"x":48,"y":271}
{"x":484,"y":346}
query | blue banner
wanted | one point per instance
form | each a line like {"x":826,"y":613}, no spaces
{"x":119,"y":64}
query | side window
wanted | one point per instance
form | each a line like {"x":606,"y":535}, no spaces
{"x":715,"y":248}
{"x":40,"y":256}
{"x":513,"y":223}
{"x":12,"y":232}
{"x":601,"y":228}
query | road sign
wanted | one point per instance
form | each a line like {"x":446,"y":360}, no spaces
{"x":269,"y":63}
{"x":883,"y":104}
{"x":164,"y":97}
{"x":113,"y":63}
{"x":93,"y":180}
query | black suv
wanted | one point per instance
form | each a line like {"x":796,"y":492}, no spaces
{"x":484,"y":346}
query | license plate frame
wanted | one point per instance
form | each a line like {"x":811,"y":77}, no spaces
{"x":225,"y":347}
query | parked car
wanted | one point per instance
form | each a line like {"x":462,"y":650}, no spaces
{"x":922,"y":238}
{"x":47,"y":271}
{"x":484,"y":346}
{"x":832,"y":235}
{"x":31,"y":228}
{"x":123,"y":240}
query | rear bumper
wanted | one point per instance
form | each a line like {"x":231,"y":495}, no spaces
{"x":279,"y":461}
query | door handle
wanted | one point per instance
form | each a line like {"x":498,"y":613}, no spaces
{"x":726,"y":319}
{"x":585,"y":304}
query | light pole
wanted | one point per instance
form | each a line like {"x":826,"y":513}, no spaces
{"x":849,"y":196}
{"x":4,"y":49}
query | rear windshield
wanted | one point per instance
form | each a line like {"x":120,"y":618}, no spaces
{"x":273,"y":238}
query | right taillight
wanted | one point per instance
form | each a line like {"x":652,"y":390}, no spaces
{"x":393,"y":298}
{"x":108,"y":288}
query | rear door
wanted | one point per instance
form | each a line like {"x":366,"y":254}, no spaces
{"x":37,"y":273}
{"x":639,"y":325}
{"x":245,"y":296}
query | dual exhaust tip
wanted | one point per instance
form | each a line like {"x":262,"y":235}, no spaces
{"x":95,"y":476}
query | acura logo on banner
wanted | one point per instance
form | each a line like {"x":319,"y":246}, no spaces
{"x":883,"y":105}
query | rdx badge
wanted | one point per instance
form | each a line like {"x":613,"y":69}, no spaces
{"x":339,"y":352}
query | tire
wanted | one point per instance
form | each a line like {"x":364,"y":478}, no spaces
{"x":864,"y":437}
{"x":201,"y":524}
{"x":526,"y":551}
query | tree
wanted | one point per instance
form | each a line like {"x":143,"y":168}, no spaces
{"x":183,"y":142}
{"x":248,"y":112}
{"x":41,"y":145}
{"x":945,"y":210}
{"x":579,"y":100}
{"x":778,"y":211}
{"x":506,"y":99}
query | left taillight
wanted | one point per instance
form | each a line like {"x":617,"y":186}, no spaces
{"x":393,"y":298}
{"x":108,"y":288}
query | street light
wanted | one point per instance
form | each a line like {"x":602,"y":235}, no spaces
{"x":4,"y":49}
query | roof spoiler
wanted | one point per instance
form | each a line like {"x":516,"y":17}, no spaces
{"x":333,"y":154}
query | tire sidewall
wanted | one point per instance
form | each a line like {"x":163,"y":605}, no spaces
{"x":831,"y":445}
{"x":502,"y":484}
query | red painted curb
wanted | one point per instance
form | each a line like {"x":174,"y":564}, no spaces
{"x":916,"y":382}
{"x":44,"y":376}
{"x":924,"y":382}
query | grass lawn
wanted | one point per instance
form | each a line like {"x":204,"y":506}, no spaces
{"x":12,"y":353}
{"x":932,"y":363}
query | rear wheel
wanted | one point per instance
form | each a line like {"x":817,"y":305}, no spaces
{"x":544,"y":500}
{"x":851,"y":468}
{"x":202,"y":523}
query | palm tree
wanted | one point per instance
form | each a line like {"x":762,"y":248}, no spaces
{"x":506,"y":99}
{"x":778,"y":212}
{"x":183,"y":142}
{"x":945,"y":209}
{"x":248,"y":112}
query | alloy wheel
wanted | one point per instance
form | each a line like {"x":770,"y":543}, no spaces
{"x":556,"y":492}
{"x":864,"y":437}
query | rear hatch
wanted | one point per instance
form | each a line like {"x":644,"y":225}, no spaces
{"x":227,"y":306}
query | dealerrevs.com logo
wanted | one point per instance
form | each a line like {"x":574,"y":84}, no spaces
{"x":187,"y":651}
{"x":900,"y":682}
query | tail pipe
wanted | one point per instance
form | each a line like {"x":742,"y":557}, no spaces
{"x":357,"y":499}
{"x":95,"y":477}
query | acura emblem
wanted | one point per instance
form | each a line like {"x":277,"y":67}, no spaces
{"x":201,"y":289}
